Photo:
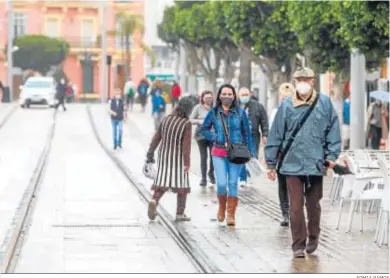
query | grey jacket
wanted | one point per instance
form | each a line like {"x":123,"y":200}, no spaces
{"x":258,"y":117}
{"x":318,"y":139}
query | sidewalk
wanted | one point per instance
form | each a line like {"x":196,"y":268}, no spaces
{"x":21,"y":142}
{"x":257,"y":243}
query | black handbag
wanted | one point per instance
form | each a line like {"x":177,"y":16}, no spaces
{"x":237,"y":153}
{"x":198,"y":135}
{"x":295,"y":132}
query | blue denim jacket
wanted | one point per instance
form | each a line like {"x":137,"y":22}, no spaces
{"x":318,"y":139}
{"x":238,"y":127}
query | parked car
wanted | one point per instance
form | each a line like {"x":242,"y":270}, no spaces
{"x":38,"y":90}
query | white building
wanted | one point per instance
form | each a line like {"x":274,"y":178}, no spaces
{"x":165,"y":57}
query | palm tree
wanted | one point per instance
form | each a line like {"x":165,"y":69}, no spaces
{"x":128,"y":25}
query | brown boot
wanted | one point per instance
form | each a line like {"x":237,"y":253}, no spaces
{"x":232,"y":203}
{"x":221,"y":208}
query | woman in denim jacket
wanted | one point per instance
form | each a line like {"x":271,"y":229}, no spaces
{"x":227,"y":173}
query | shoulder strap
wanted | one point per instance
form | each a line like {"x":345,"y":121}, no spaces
{"x":296,"y":130}
{"x":225,"y":128}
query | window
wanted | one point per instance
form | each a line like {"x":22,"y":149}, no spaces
{"x":120,"y":42}
{"x":19,"y":23}
{"x":88,"y":33}
{"x":52,"y":27}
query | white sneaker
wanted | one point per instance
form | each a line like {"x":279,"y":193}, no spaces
{"x":242,"y":183}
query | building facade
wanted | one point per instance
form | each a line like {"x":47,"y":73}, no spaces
{"x":79,"y":23}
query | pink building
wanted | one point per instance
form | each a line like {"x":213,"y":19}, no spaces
{"x":77,"y":22}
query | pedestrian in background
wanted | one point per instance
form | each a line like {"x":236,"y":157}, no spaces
{"x":304,"y":140}
{"x":175,"y":93}
{"x":61,"y":94}
{"x":346,"y":122}
{"x":197,"y":117}
{"x":374,"y":116}
{"x":173,"y":162}
{"x":285,"y":90}
{"x":1,"y":91}
{"x":258,"y":120}
{"x":228,"y":111}
{"x":117,"y":111}
{"x":129,"y":92}
{"x":143,"y":92}
{"x":158,"y":103}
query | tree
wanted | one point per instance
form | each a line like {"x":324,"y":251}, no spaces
{"x":39,"y":53}
{"x":260,"y":30}
{"x":129,"y":24}
{"x":329,"y":29}
{"x":201,"y":27}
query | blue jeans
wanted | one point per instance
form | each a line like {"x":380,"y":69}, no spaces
{"x":244,"y":171}
{"x":117,"y":127}
{"x":227,"y":176}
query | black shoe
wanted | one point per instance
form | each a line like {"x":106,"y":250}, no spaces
{"x":212,"y":179}
{"x":115,"y":147}
{"x":203,"y":182}
{"x":120,"y":146}
{"x":285,"y":221}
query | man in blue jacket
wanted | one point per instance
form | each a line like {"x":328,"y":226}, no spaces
{"x":315,"y":147}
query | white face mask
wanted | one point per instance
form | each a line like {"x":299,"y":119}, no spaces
{"x":303,"y":88}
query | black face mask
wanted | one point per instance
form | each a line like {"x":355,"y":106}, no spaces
{"x":227,"y":101}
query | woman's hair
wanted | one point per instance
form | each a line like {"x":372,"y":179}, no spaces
{"x":286,"y":90}
{"x":204,"y":93}
{"x":184,"y":108}
{"x":218,"y":102}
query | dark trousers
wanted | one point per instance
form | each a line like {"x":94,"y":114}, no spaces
{"x":130,"y":101}
{"x":205,"y":152}
{"x":298,"y":190}
{"x":376,"y":135}
{"x":283,"y":194}
{"x":61,"y":101}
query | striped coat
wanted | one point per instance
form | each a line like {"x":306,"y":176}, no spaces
{"x":174,"y":138}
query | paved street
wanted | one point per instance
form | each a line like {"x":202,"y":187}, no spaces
{"x":257,"y":229}
{"x":22,"y":140}
{"x":89,"y":218}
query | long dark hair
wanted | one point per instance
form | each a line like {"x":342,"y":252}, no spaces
{"x":203,"y":94}
{"x":218,"y":102}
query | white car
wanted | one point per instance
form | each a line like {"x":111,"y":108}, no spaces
{"x":38,"y":90}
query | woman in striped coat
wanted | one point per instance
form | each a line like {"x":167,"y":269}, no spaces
{"x":174,"y":137}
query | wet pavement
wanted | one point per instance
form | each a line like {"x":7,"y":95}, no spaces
{"x":22,"y":140}
{"x":257,"y":243}
{"x":87,"y":218}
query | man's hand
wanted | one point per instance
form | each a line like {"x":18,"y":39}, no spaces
{"x":113,"y":113}
{"x":271,"y":174}
{"x":264,"y":139}
{"x":331,"y":164}
{"x":186,"y":169}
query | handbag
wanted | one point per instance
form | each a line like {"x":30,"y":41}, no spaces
{"x":295,"y":132}
{"x":237,"y":153}
{"x":198,"y":135}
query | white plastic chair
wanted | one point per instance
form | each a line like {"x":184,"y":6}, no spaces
{"x":382,"y":228}
{"x":355,"y":188}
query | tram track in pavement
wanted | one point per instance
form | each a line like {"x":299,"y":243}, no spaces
{"x":13,"y":242}
{"x":198,"y":258}
{"x":8,"y":115}
{"x":330,"y":242}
